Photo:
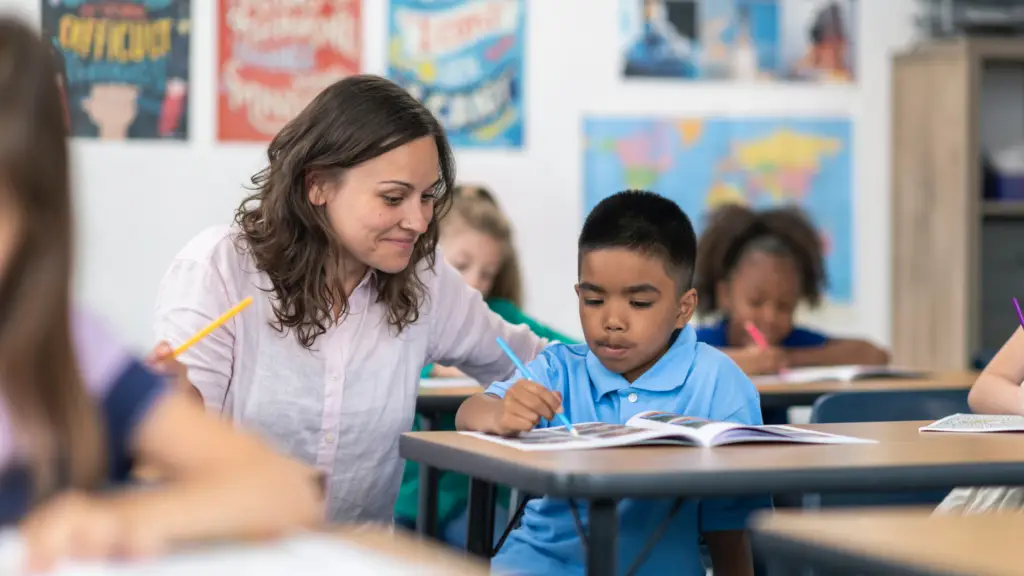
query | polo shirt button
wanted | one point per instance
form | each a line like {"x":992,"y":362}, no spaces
{"x":632,"y":397}
{"x":329,"y":438}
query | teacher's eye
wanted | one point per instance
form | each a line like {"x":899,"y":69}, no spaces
{"x":641,"y":305}
{"x":393,"y":200}
{"x":428,"y":197}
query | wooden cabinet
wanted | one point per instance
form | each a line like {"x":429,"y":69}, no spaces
{"x":957,"y":259}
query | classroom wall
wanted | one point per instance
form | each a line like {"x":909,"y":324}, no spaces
{"x":139,"y":202}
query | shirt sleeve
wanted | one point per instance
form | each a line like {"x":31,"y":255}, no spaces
{"x":546,"y":369}
{"x":736,"y":400}
{"x":124,"y":388}
{"x":191,"y":296}
{"x":464,"y":331}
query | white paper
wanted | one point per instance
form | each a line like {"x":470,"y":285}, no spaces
{"x":835,"y":373}
{"x":976,"y":423}
{"x":448,"y":383}
{"x":309,"y":554}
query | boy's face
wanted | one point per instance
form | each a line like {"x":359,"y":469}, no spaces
{"x":629,"y":308}
{"x":763,"y":289}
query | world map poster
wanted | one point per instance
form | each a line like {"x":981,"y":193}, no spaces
{"x":703,"y":163}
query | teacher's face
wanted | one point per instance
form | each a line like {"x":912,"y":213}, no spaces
{"x":381,"y":207}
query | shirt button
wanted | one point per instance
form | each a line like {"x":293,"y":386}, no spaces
{"x":632,"y":397}
{"x":329,"y":438}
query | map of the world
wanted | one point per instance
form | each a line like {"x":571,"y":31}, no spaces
{"x":704,"y":163}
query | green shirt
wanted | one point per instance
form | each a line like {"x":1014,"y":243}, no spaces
{"x":453,"y":489}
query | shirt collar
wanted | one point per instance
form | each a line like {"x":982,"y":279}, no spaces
{"x":668,"y":373}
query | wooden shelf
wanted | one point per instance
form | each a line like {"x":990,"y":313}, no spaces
{"x":1002,"y":208}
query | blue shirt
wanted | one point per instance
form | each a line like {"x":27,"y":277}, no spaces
{"x":692,"y":379}
{"x":717,"y":335}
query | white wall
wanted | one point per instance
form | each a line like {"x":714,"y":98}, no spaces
{"x":140,"y":202}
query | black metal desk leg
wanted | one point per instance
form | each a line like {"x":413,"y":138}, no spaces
{"x":603,"y":538}
{"x":480,"y":532}
{"x":426,"y":515}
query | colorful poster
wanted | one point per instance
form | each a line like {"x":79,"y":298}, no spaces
{"x":464,"y":60}
{"x":704,"y":163}
{"x":740,"y":40}
{"x":275,"y":57}
{"x":124,"y":66}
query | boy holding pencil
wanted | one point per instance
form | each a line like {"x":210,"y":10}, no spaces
{"x":636,"y":259}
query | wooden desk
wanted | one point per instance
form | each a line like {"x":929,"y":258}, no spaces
{"x":905,"y":542}
{"x":905,"y":459}
{"x":787,"y":395}
{"x":427,"y":555}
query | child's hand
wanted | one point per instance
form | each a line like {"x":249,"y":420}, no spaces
{"x":755,"y":360}
{"x":524,"y":405}
{"x":78,"y":526}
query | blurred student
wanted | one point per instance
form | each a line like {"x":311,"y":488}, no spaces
{"x":76,"y":410}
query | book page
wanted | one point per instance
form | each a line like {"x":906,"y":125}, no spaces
{"x":590,"y":435}
{"x":702,"y":430}
{"x":308,"y":554}
{"x":784,"y":434}
{"x":977,"y":423}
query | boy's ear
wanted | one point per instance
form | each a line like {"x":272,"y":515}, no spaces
{"x":687,"y":307}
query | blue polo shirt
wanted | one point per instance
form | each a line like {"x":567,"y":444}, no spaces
{"x":692,"y":379}
{"x":717,"y":335}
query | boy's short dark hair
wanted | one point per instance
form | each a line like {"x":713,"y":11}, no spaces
{"x":645,"y":222}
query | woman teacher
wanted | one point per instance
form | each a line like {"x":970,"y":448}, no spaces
{"x":337,"y":248}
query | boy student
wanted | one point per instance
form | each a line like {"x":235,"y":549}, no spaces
{"x":636,"y":259}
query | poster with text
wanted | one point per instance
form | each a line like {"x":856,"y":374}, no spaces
{"x":123,"y":66}
{"x":464,"y":60}
{"x":275,"y":57}
{"x":740,"y":40}
{"x":703,"y":163}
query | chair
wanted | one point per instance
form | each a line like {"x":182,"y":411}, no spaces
{"x":887,"y":406}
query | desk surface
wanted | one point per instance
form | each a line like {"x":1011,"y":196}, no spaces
{"x":909,"y":542}
{"x":406,"y":546}
{"x":905,"y":459}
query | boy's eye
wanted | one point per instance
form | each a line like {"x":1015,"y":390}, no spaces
{"x":636,"y":304}
{"x":592,"y":301}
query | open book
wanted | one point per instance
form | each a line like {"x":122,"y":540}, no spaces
{"x":837,"y":373}
{"x":976,"y":423}
{"x":663,"y":428}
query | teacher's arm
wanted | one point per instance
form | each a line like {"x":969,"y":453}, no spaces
{"x":191,"y":296}
{"x":464,"y":331}
{"x":998,"y":389}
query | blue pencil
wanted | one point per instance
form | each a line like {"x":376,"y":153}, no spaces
{"x":529,"y":376}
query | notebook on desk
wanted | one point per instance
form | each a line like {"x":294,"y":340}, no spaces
{"x":308,"y":554}
{"x":653,"y":428}
{"x":838,"y":374}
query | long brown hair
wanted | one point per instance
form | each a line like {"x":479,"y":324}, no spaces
{"x":352,"y":121}
{"x":56,"y":423}
{"x":475,"y":207}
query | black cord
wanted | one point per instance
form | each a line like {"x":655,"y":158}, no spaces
{"x":653,"y":540}
{"x":511,"y":525}
{"x":579,"y":524}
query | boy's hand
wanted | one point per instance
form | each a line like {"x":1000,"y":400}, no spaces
{"x":755,"y":360}
{"x":524,"y":405}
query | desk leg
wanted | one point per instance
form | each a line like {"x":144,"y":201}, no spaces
{"x":480,"y":532}
{"x":603,"y":539}
{"x":426,"y":516}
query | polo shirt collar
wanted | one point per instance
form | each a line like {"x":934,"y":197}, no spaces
{"x":668,"y":373}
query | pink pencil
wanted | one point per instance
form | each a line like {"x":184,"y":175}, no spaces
{"x":757,"y":337}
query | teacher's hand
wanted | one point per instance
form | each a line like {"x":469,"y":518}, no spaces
{"x":162,"y":361}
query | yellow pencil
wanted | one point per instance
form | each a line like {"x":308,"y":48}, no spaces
{"x":213,"y":326}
